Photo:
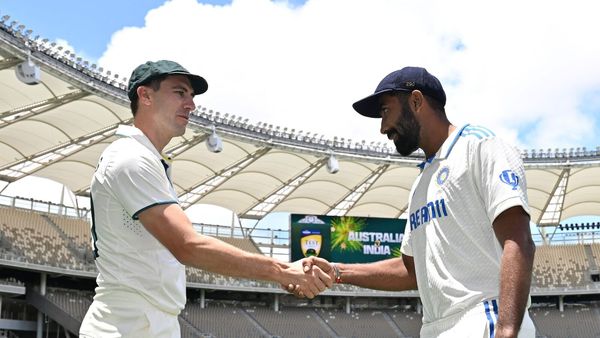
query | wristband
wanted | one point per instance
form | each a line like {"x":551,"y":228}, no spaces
{"x":338,"y":275}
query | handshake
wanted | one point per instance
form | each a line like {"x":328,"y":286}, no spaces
{"x":310,"y":276}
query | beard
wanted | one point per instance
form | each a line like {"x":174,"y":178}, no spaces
{"x":408,"y":131}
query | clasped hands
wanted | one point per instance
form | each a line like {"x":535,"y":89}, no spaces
{"x":317,"y":274}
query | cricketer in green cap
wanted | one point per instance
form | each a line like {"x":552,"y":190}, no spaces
{"x":142,"y":236}
{"x":146,"y":71}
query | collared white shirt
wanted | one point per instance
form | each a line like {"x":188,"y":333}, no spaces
{"x":473,"y":178}
{"x":132,"y":176}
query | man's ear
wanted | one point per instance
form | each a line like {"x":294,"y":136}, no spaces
{"x":416,"y":100}
{"x":143,"y":93}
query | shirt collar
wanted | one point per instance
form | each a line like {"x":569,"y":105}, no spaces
{"x":446,"y":147}
{"x":138,"y":135}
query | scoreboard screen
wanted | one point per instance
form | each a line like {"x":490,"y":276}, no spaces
{"x":345,"y":239}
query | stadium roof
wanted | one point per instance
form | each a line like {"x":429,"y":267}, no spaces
{"x":57,"y":128}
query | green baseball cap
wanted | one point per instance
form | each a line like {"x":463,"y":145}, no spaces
{"x":146,"y":71}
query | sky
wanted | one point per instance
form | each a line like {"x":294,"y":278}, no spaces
{"x":528,"y":70}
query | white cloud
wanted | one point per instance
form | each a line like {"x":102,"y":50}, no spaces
{"x":521,"y":68}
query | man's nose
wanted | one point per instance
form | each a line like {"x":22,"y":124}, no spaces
{"x":189,"y":104}
{"x":383,"y":129}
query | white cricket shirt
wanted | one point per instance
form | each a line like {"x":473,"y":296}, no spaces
{"x":473,"y":178}
{"x":132,"y":176}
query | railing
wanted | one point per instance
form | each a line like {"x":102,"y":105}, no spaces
{"x":567,"y":237}
{"x":44,"y":207}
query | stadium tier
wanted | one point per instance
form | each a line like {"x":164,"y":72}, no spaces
{"x":55,"y":123}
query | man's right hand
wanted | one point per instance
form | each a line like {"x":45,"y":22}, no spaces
{"x":307,"y":282}
{"x":312,"y":265}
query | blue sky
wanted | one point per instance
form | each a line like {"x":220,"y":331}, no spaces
{"x":86,"y":25}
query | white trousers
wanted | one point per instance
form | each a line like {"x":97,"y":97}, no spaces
{"x":128,"y":315}
{"x":477,"y":322}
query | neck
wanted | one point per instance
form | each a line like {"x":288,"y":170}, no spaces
{"x":438,"y":133}
{"x":152,"y":134}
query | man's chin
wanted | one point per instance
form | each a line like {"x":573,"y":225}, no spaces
{"x":179,"y":132}
{"x":405,"y":151}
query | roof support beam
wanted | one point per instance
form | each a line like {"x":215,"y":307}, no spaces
{"x":196,"y":192}
{"x":186,"y":145}
{"x":402,"y":211}
{"x":22,"y":113}
{"x":33,"y":163}
{"x":348,"y":201}
{"x":265,"y":205}
{"x":9,"y":62}
{"x":555,"y":199}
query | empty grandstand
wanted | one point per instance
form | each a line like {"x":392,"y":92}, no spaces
{"x":47,"y":274}
{"x":44,"y":268}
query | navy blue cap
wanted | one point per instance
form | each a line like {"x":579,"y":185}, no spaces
{"x":406,"y":79}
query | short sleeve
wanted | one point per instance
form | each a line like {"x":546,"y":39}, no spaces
{"x":406,"y":246}
{"x":499,"y":177}
{"x":140,"y":182}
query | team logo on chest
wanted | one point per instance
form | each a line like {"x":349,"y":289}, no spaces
{"x":442,"y":175}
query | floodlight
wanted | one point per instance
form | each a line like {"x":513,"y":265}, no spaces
{"x":214,"y":142}
{"x":332,"y":164}
{"x":28,"y":72}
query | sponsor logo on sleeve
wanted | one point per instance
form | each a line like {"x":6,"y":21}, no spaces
{"x":509,"y":177}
